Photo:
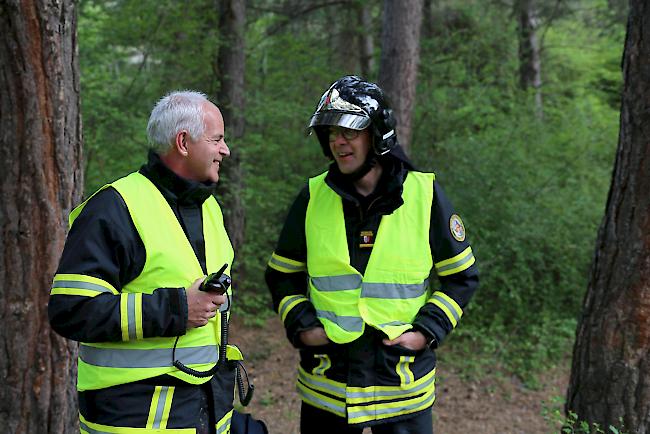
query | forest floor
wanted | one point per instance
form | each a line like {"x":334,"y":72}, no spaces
{"x":498,"y":403}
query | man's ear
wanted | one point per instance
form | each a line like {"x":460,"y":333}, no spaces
{"x":181,"y":143}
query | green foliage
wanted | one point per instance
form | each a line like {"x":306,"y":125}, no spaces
{"x":286,"y":75}
{"x":132,"y":52}
{"x":553,"y":413}
{"x":108,"y":124}
{"x":531,"y":191}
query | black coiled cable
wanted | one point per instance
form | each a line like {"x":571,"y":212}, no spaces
{"x":219,"y":283}
{"x":245,"y":397}
{"x":222,"y":350}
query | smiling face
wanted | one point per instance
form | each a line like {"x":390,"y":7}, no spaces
{"x":349,"y":148}
{"x":204,"y":154}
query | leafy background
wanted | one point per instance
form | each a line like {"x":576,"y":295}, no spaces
{"x":531,"y":191}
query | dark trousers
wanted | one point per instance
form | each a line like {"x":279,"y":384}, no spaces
{"x":316,"y":421}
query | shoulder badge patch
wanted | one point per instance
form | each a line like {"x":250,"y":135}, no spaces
{"x":457,"y":228}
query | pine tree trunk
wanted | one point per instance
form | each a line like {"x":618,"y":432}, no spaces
{"x":610,"y":376}
{"x":400,"y":54}
{"x":365,"y":39}
{"x":42,"y":178}
{"x":428,"y":25}
{"x":230,"y":99}
{"x":530,"y":59}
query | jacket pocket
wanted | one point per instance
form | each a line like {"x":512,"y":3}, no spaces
{"x":403,"y":370}
{"x":403,"y":366}
{"x":325,"y":360}
{"x":324,"y":363}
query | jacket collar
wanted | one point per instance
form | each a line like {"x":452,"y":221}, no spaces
{"x":387,"y":196}
{"x":173,"y":187}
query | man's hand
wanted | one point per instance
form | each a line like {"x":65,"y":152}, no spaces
{"x":201,"y":306}
{"x":415,"y":341}
{"x":314,"y":337}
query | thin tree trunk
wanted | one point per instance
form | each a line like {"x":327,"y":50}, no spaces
{"x":230,"y":99}
{"x":400,"y":54}
{"x":42,"y":178}
{"x":366,"y":44}
{"x":428,"y":24}
{"x":610,"y":376}
{"x":530,"y":60}
{"x":347,"y":34}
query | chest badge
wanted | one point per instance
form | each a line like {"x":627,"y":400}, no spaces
{"x":367,"y":239}
{"x":457,"y":228}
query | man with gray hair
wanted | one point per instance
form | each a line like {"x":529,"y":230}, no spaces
{"x":128,"y":285}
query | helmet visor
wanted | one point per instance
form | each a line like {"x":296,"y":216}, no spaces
{"x":341,"y":119}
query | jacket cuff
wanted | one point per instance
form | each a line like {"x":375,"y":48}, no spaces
{"x":164,"y":313}
{"x":432,"y":340}
{"x":431,"y":329}
{"x":181,"y":309}
{"x":301,"y":318}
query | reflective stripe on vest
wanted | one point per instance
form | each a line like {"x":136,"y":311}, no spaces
{"x":146,"y":358}
{"x":395,"y":284}
{"x":170,"y":263}
{"x":370,"y":290}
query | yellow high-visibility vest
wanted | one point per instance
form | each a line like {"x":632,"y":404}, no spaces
{"x":170,"y":263}
{"x":395,"y":284}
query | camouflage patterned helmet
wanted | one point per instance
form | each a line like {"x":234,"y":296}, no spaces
{"x":354,"y":103}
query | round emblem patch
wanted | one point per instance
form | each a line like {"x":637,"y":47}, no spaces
{"x":457,"y":228}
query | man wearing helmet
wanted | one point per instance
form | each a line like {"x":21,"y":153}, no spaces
{"x":350,"y":274}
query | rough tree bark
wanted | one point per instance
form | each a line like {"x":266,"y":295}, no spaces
{"x":42,"y":178}
{"x":400,"y":54}
{"x":610,"y":376}
{"x":530,"y":60}
{"x":231,"y":62}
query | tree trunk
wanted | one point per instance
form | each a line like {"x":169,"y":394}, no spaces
{"x":428,"y":29}
{"x":42,"y":178}
{"x":231,"y":63}
{"x":530,"y":60}
{"x":610,"y":376}
{"x":400,"y":53}
{"x":347,"y":35}
{"x":365,"y":41}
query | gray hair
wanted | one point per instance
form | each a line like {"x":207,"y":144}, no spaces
{"x":176,"y":111}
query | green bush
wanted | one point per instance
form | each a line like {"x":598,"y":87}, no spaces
{"x":531,"y":191}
